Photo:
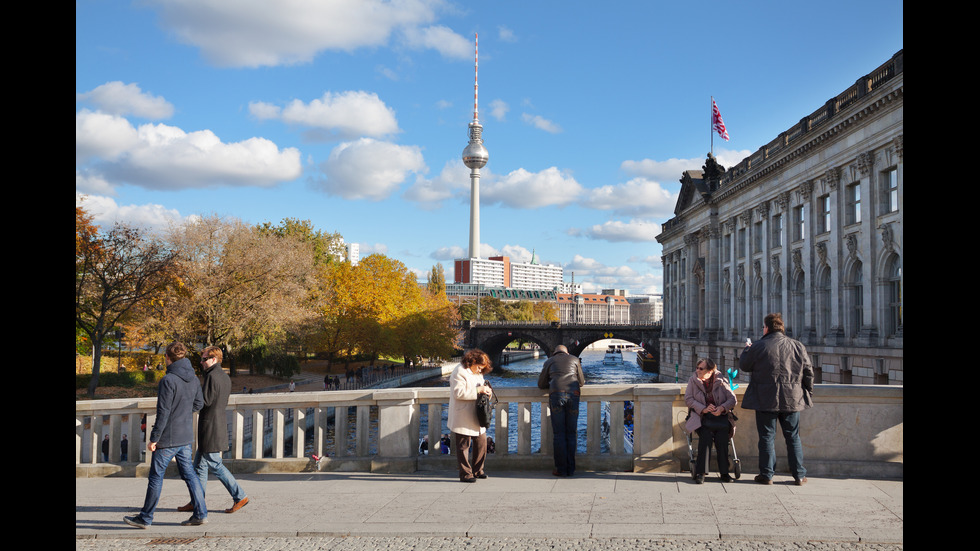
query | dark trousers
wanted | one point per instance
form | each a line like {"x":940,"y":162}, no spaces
{"x":564,"y":426}
{"x":789,"y":423}
{"x":706,"y":437}
{"x":468,"y":468}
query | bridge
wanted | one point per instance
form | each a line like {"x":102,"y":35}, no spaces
{"x":493,"y":336}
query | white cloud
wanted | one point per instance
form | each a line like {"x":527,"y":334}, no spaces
{"x":367,"y":249}
{"x":345,"y":115}
{"x":369,"y":169}
{"x":505,"y":34}
{"x":441,"y":39}
{"x":105,"y":212}
{"x":452,"y":181}
{"x":529,"y":190}
{"x":121,"y":99}
{"x":541,"y":123}
{"x":671,"y":170}
{"x":637,"y":197}
{"x":616,"y":231}
{"x":449,"y":253}
{"x":499,"y":109}
{"x":595,"y":276}
{"x":253,"y":33}
{"x":166,"y":157}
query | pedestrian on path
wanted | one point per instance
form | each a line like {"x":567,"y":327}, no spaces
{"x":562,"y":375}
{"x":465,"y":384}
{"x":178,"y":397}
{"x":212,"y":430}
{"x":780,"y":387}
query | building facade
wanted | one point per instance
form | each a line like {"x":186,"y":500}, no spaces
{"x":589,"y":308}
{"x":810,"y":226}
{"x":499,"y":271}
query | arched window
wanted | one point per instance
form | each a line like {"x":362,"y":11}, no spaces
{"x":798,"y":313}
{"x":854,"y":298}
{"x":893,"y":296}
{"x":823,"y":302}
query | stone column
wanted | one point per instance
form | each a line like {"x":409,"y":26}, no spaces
{"x":397,"y":447}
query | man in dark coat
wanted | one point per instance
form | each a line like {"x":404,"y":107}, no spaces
{"x":212,"y":429}
{"x":779,"y":389}
{"x":562,"y":375}
{"x":178,"y":397}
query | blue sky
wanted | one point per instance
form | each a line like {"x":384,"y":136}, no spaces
{"x":353,"y":114}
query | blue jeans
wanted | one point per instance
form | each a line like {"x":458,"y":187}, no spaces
{"x":564,"y":425}
{"x":789,"y":422}
{"x":158,"y":467}
{"x":204,"y":462}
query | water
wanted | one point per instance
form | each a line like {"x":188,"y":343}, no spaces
{"x":525,"y":373}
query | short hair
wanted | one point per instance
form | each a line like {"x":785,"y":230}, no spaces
{"x":176,"y":351}
{"x":774,"y":322}
{"x":561,"y":348}
{"x":708,"y":362}
{"x":477,"y":357}
{"x":212,"y":352}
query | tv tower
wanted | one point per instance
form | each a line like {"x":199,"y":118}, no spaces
{"x":475,"y":156}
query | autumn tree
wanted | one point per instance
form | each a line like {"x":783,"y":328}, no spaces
{"x":437,"y":280}
{"x":241,"y":282}
{"x":115,"y":271}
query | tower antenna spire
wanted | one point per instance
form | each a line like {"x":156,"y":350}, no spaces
{"x":475,"y":157}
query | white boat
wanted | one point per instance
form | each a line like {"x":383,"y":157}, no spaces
{"x":613,"y":356}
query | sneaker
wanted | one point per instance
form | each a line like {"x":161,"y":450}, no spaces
{"x":762,"y":479}
{"x":136,"y":521}
{"x":800,"y":481}
{"x":238,"y":505}
{"x":194,"y":521}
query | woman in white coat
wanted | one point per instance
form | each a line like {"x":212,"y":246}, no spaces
{"x":465,"y":384}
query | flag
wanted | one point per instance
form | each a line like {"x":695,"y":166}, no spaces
{"x":717,"y":124}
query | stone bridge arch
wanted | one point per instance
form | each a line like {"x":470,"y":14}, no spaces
{"x":492,"y":337}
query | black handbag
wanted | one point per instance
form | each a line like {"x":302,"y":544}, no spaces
{"x":484,"y":408}
{"x":715,"y":422}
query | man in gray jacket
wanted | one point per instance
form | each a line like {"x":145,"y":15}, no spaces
{"x":178,"y":397}
{"x":779,"y":389}
{"x":562,"y":375}
{"x":212,"y":429}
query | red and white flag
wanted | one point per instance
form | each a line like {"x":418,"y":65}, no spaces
{"x":716,"y":123}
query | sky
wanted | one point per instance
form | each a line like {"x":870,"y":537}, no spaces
{"x":353,"y":114}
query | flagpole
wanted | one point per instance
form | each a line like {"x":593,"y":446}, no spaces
{"x":711,"y":124}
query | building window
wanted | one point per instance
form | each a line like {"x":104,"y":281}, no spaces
{"x":799,"y":223}
{"x":741,"y":242}
{"x":824,"y":218}
{"x":777,"y":230}
{"x":893,"y":296}
{"x":853,"y":206}
{"x":757,"y":237}
{"x":889,"y":180}
{"x":727,"y":247}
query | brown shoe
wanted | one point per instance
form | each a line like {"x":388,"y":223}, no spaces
{"x":238,"y":505}
{"x":762,"y":479}
{"x":186,"y":508}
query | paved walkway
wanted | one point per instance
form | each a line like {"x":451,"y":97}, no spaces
{"x":513,"y":510}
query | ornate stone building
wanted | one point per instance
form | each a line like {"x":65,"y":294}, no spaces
{"x":810,"y":225}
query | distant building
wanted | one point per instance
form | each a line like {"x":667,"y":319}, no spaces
{"x":646,"y":308}
{"x":499,"y":271}
{"x":811,"y":225}
{"x":588,"y":308}
{"x":569,"y":288}
{"x":353,"y":253}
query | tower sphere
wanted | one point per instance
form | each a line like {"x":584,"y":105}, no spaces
{"x":475,"y":155}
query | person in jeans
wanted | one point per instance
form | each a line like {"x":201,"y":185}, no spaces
{"x":178,"y":397}
{"x":212,"y":430}
{"x":562,"y":376}
{"x":780,"y":387}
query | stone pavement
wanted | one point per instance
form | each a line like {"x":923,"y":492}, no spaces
{"x":512,"y":510}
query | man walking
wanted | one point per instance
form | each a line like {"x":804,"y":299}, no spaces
{"x":212,"y":430}
{"x":779,"y":389}
{"x":562,"y":375}
{"x":178,"y":397}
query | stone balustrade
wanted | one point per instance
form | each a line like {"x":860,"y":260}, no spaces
{"x":852,"y":430}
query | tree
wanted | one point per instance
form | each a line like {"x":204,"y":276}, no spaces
{"x":114,"y":272}
{"x":241,"y":282}
{"x":327,"y":247}
{"x":437,"y":280}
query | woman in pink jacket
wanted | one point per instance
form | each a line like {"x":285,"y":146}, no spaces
{"x":465,"y":384}
{"x":710,"y":400}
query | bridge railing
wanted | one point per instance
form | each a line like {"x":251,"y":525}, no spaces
{"x":852,"y":430}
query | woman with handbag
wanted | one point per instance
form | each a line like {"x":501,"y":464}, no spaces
{"x":710,"y":402}
{"x":465,"y":385}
